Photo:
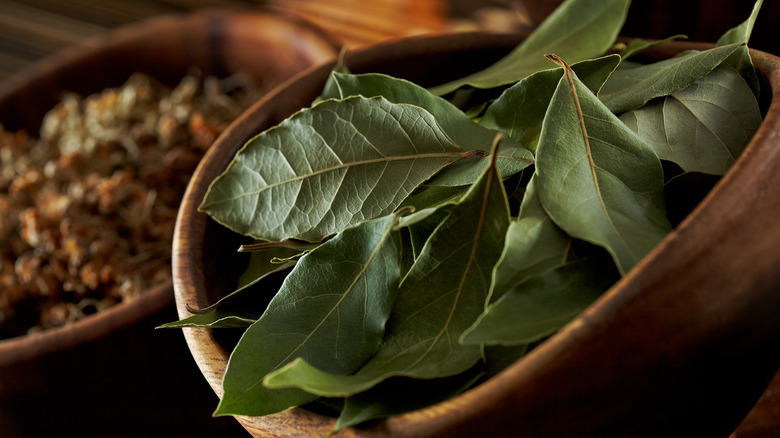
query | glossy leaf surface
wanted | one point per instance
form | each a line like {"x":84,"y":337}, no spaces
{"x":336,"y":322}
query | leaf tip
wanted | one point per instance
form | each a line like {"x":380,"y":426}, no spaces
{"x":558,"y":60}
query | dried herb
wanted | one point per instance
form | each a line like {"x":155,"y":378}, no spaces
{"x":88,"y":209}
{"x":496,"y":224}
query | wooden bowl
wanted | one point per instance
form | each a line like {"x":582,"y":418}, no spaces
{"x":684,"y":345}
{"x":114,"y":361}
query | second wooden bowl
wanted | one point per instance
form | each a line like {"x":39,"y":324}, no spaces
{"x":113,"y":367}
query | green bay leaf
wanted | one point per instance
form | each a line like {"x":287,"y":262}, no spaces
{"x":631,"y":88}
{"x":399,"y":395}
{"x":329,"y":167}
{"x":457,"y":125}
{"x":597,"y":179}
{"x":638,"y":45}
{"x":702,"y":128}
{"x":520,"y":109}
{"x":243,"y":306}
{"x":213,"y":319}
{"x":541,"y":305}
{"x":443,"y":293}
{"x":576,"y":30}
{"x":336,"y":321}
{"x":534,"y":244}
{"x":740,"y":59}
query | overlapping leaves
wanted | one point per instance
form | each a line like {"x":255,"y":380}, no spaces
{"x":413,"y":271}
{"x":328,"y":168}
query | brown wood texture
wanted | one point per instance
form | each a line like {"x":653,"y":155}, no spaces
{"x":118,"y":349}
{"x":682,"y":346}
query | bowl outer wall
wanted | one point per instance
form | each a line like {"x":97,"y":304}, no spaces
{"x":118,"y":348}
{"x":681,"y":345}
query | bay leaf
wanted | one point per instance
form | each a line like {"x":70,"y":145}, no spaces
{"x":213,"y":319}
{"x":576,"y":30}
{"x":243,"y":306}
{"x":596,"y":178}
{"x":262,"y":264}
{"x":427,"y":196}
{"x":541,"y":305}
{"x":329,"y":167}
{"x":520,"y":109}
{"x":406,"y":250}
{"x":533,"y":245}
{"x":421,"y":230}
{"x":357,"y":275}
{"x":629,"y":89}
{"x":740,"y":59}
{"x":702,"y":128}
{"x":399,"y":395}
{"x":458,"y":126}
{"x":443,"y":293}
{"x":638,"y":45}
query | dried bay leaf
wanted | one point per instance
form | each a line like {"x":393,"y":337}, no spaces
{"x":631,"y":88}
{"x":427,"y":196}
{"x":443,"y":293}
{"x":329,"y":167}
{"x":214,"y":319}
{"x":638,"y":45}
{"x":520,"y":109}
{"x":576,"y":30}
{"x":457,"y":125}
{"x":422,"y":229}
{"x":596,"y":178}
{"x":399,"y":395}
{"x":702,"y":128}
{"x":541,"y":305}
{"x":740,"y":59}
{"x":533,"y":245}
{"x":246,"y":304}
{"x":336,"y":322}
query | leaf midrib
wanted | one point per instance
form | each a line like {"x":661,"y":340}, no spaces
{"x":467,"y":270}
{"x":591,"y":162}
{"x":308,"y":336}
{"x":458,"y":154}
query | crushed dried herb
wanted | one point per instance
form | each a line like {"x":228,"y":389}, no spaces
{"x":89,"y":208}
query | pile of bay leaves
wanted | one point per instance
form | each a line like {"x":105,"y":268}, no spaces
{"x":427,"y":245}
